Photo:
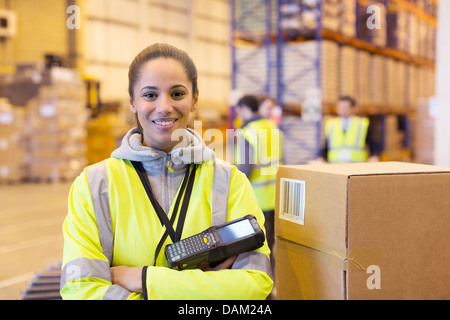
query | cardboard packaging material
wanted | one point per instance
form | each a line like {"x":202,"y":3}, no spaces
{"x":57,"y":119}
{"x":423,"y":134}
{"x":13,"y":155}
{"x":363,"y":231}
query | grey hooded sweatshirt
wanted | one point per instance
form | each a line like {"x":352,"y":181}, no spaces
{"x":165,"y":170}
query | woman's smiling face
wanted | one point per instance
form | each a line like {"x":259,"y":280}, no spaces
{"x":163,"y":100}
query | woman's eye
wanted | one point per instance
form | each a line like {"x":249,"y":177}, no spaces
{"x":149,"y":95}
{"x":178,"y":94}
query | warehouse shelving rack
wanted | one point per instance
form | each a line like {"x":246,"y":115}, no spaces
{"x":273,"y":38}
{"x":250,"y":53}
{"x":299,"y":67}
{"x":251,"y":48}
{"x":256,"y":58}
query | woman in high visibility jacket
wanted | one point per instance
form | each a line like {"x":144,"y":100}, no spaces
{"x":113,"y":238}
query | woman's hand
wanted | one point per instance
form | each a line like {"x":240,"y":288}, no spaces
{"x":130,"y":277}
{"x":127,"y":277}
{"x":226,"y":264}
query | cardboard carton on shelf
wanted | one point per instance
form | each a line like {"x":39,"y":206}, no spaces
{"x":13,"y":155}
{"x":363,"y":231}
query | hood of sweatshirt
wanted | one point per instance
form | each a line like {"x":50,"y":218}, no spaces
{"x":192,"y":149}
{"x":164,"y":170}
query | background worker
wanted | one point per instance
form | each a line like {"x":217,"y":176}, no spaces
{"x":115,"y":233}
{"x":257,"y":154}
{"x":347,"y":137}
{"x":269,"y":109}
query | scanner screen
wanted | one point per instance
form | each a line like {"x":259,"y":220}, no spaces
{"x":235,"y":231}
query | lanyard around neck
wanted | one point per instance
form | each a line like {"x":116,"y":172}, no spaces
{"x":187,"y":185}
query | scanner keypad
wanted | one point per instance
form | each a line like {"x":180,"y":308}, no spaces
{"x":191,"y":245}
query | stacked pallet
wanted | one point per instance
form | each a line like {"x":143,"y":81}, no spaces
{"x":255,"y":71}
{"x":310,"y":66}
{"x":13,"y":149}
{"x":45,"y":284}
{"x":423,"y":133}
{"x":339,"y":16}
{"x":378,"y":82}
{"x":347,"y":71}
{"x":57,"y":120}
{"x":301,"y":140}
{"x":364,"y":79}
{"x":347,"y":18}
{"x":394,"y":137}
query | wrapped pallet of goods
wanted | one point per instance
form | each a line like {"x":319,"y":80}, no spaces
{"x":13,"y":155}
{"x":363,"y":81}
{"x":423,"y":132}
{"x":347,"y":18}
{"x":314,"y":89}
{"x":394,"y":136}
{"x":57,"y":120}
{"x":347,"y":71}
{"x":378,"y":92}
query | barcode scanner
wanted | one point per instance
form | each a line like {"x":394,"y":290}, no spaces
{"x":216,"y":243}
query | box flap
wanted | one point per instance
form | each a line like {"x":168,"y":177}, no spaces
{"x":366,"y":168}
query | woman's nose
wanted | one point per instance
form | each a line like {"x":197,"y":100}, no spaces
{"x":164,"y":104}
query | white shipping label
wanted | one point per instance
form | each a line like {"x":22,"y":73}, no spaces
{"x":292,"y":200}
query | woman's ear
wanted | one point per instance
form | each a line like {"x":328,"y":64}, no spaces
{"x":132,"y":107}
{"x":194,"y":102}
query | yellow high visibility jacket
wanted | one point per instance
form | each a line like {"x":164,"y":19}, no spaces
{"x":348,"y":146}
{"x":111,"y":222}
{"x":266,"y":141}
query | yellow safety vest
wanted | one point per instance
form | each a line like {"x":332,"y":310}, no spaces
{"x":111,"y":222}
{"x":266,"y":140}
{"x":348,"y":146}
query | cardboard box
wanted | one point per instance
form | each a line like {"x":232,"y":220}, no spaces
{"x":367,"y":231}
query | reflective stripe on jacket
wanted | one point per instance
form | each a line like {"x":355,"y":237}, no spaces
{"x":111,"y":222}
{"x":348,"y":146}
{"x":266,"y":141}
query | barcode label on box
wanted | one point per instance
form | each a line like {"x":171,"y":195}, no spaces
{"x":292,"y":200}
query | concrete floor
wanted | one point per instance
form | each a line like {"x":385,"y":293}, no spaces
{"x":31,"y":217}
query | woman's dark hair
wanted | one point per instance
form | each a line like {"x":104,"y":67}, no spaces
{"x":161,"y":50}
